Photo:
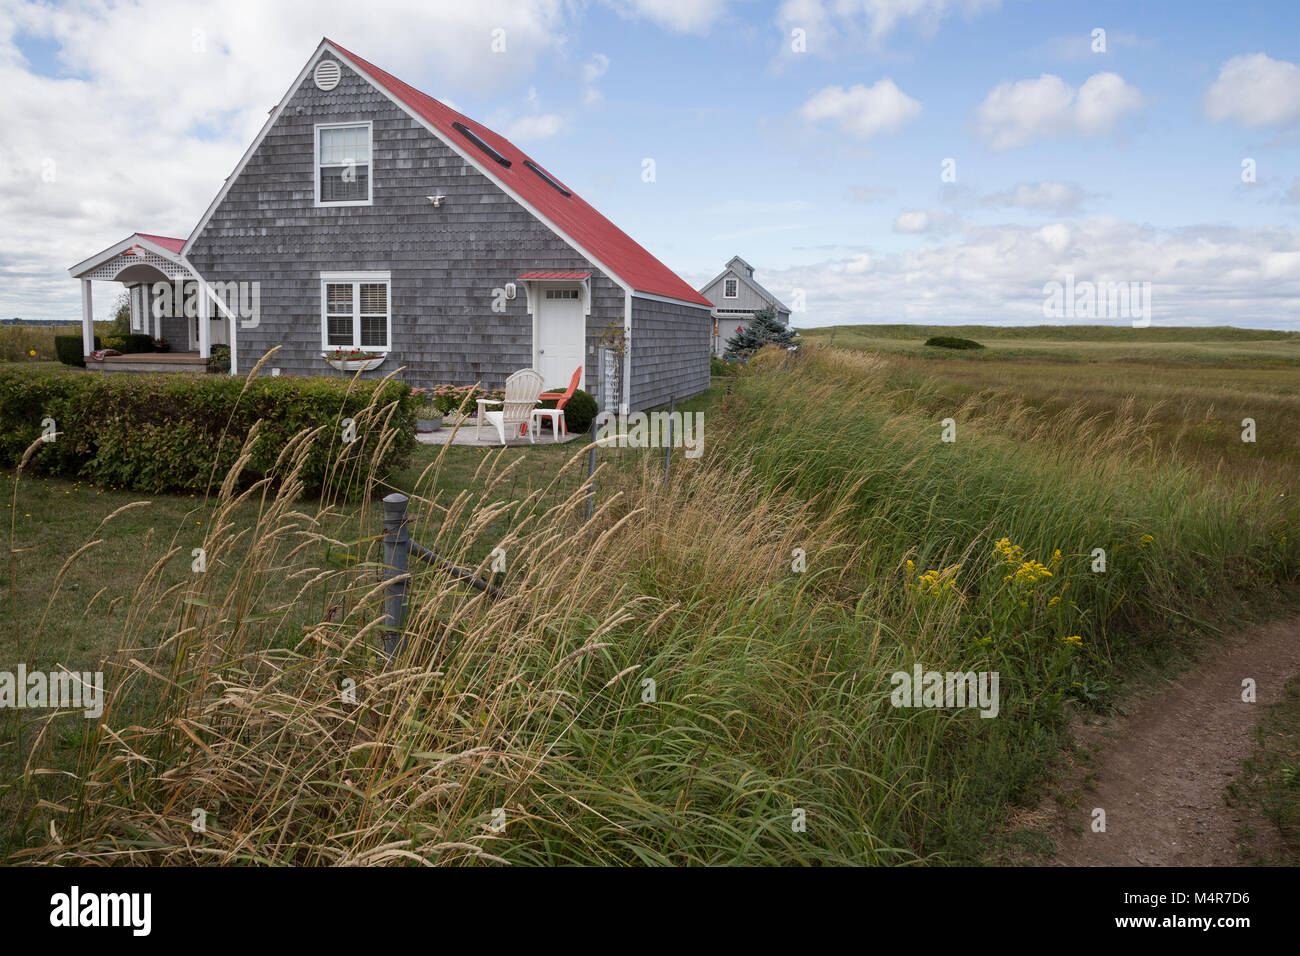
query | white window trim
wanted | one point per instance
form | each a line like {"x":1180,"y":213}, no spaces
{"x":315,"y":169}
{"x":355,"y":278}
{"x":734,"y":295}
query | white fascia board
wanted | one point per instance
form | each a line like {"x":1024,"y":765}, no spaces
{"x":672,"y":301}
{"x":117,"y":249}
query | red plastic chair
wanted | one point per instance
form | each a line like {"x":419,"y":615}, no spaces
{"x":562,"y":399}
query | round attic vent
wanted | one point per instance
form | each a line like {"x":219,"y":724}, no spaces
{"x":326,"y":75}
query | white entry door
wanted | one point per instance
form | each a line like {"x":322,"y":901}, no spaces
{"x":561,"y":335}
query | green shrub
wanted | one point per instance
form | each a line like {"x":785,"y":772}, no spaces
{"x":579,"y":411}
{"x":219,"y":359}
{"x":952,"y":342}
{"x":720,"y":366}
{"x":155,"y":433}
{"x":130,"y":343}
{"x":67,"y":349}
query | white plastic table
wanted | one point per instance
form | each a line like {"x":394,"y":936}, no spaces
{"x":556,"y":415}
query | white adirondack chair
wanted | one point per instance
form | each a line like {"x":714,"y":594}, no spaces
{"x":522,"y":389}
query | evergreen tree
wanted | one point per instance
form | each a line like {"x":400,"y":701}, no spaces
{"x":765,"y":328}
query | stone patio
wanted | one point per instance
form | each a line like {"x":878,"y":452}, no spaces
{"x":467,"y":434}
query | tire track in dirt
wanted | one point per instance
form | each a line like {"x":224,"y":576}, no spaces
{"x":1162,"y":770}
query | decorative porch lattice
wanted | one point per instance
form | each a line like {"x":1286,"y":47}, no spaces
{"x":108,"y":270}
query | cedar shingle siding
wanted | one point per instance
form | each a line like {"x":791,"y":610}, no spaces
{"x":445,"y":262}
{"x":670,"y":352}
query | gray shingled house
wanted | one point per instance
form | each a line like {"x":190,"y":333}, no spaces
{"x":736,"y":296}
{"x":367,"y":217}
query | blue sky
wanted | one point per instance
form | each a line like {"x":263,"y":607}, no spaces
{"x":821,"y":167}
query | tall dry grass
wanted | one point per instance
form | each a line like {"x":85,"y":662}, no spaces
{"x":657,"y":685}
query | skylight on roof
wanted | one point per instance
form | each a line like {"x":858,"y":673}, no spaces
{"x":548,"y":177}
{"x":473,"y":137}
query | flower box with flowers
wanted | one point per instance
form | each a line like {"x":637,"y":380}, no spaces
{"x":353,"y":360}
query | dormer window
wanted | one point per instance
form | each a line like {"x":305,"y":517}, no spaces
{"x":730,"y":288}
{"x":343,"y":164}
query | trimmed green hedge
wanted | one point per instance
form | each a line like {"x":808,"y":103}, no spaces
{"x":67,"y":349}
{"x":155,"y":433}
{"x":130,"y":343}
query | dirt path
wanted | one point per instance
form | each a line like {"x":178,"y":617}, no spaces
{"x":1162,"y":769}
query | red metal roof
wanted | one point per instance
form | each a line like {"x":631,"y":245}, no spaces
{"x":571,"y":215}
{"x":167,"y":242}
{"x":554,"y":275}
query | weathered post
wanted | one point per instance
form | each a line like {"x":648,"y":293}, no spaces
{"x":591,"y":469}
{"x":397,"y":547}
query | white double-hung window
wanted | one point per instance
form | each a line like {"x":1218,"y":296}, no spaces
{"x":355,"y":311}
{"x":343,"y":164}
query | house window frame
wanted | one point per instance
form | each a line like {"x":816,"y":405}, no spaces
{"x":736,"y":293}
{"x":356,"y":280}
{"x":316,"y":167}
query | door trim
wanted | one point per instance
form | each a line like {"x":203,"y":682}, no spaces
{"x":535,"y":292}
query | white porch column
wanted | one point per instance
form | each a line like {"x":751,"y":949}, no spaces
{"x":233,"y":321}
{"x":87,"y":319}
{"x":205,"y":323}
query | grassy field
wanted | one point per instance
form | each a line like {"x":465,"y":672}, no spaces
{"x":701,"y":674}
{"x":29,"y":343}
{"x":1191,"y":388}
{"x":1076,"y":344}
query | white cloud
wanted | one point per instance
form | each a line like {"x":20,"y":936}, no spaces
{"x":1103,"y":99}
{"x":1210,"y":275}
{"x":592,"y":71}
{"x":858,"y":264}
{"x":863,"y":111}
{"x":1057,"y":198}
{"x":144,"y":118}
{"x":1021,"y":112}
{"x":683,"y":16}
{"x":1255,"y":90}
{"x":539,"y":126}
{"x":595,"y":68}
{"x":917,"y":221}
{"x":848,"y":25}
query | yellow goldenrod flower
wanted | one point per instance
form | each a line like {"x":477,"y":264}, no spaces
{"x":1074,"y":640}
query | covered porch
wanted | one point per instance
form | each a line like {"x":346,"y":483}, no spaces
{"x":169,"y":301}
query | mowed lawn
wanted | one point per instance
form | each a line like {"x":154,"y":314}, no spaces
{"x":51,"y":519}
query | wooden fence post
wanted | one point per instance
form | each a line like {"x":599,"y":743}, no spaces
{"x":397,"y":548}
